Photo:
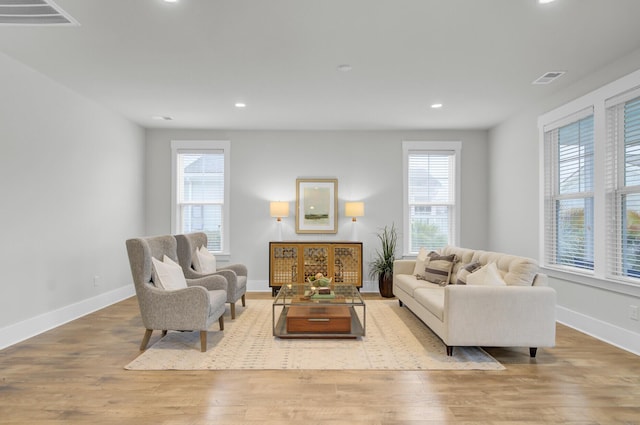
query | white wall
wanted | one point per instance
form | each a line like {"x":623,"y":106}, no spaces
{"x":265,"y":165}
{"x":72,"y":184}
{"x":514,"y":213}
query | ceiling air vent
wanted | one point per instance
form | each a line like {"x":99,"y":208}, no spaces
{"x":548,"y":77}
{"x":33,"y":12}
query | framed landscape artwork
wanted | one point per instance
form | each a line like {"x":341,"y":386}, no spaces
{"x":316,"y":205}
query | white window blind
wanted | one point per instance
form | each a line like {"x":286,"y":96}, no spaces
{"x":200,"y":188}
{"x":623,"y":187}
{"x":431,"y":199}
{"x":569,"y":194}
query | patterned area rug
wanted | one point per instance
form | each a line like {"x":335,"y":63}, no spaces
{"x":395,"y":340}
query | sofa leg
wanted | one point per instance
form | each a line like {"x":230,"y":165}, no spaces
{"x":533,"y":351}
{"x":400,"y":302}
{"x":233,"y":310}
{"x":221,"y":322}
{"x":244,"y":302}
{"x":449,"y":350}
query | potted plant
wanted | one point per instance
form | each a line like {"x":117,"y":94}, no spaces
{"x":382,"y":265}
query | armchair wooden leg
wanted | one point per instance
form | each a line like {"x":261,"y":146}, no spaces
{"x":233,"y":311}
{"x":203,"y":341}
{"x":244,"y":304}
{"x":164,"y":332}
{"x":145,"y":339}
{"x":221,"y":322}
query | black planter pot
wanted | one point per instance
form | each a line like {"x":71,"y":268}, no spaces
{"x":385,"y":284}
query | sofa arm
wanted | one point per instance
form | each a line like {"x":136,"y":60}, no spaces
{"x":404,"y":266}
{"x":515,"y":316}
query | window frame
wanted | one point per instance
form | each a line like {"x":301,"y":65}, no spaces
{"x":553,"y":194}
{"x":616,"y":186}
{"x":409,"y":147}
{"x":203,"y":146}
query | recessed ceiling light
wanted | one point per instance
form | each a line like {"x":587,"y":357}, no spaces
{"x":240,"y":105}
{"x":171,"y":1}
{"x":162,"y":118}
{"x":545,"y":1}
{"x":345,"y":67}
{"x":436,"y":105}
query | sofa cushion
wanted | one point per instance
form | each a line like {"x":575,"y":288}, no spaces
{"x":409,"y":283}
{"x":464,"y":255}
{"x":465,"y":270}
{"x":204,"y":261}
{"x":516,"y":271}
{"x":486,"y":275}
{"x":438,"y":268}
{"x":421,"y":259}
{"x":431,"y":298}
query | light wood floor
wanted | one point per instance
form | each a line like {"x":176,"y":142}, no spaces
{"x":74,"y":375}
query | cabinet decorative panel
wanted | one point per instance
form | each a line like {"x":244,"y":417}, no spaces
{"x":294,"y":262}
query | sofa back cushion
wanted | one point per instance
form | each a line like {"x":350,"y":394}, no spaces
{"x":515,"y":270}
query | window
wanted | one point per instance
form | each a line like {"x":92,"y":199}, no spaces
{"x":431,"y":179}
{"x":623,"y":185}
{"x":569,"y":207}
{"x":590,"y":197}
{"x":200,"y":171}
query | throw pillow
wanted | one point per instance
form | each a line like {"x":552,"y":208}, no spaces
{"x":420,"y":262}
{"x":487,"y":275}
{"x":438,"y":268}
{"x":466,"y":270}
{"x":168,"y":274}
{"x":204,"y":261}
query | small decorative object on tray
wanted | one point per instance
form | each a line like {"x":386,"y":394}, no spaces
{"x":319,"y":280}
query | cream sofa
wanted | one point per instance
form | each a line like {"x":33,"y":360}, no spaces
{"x":520,"y":314}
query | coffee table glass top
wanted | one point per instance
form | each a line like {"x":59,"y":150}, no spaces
{"x":306,"y":294}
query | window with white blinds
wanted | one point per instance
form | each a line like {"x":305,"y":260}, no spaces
{"x":569,"y":192}
{"x":623,"y":185}
{"x":430,"y":191}
{"x":201,"y":191}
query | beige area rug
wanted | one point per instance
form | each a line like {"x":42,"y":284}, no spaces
{"x":395,"y":340}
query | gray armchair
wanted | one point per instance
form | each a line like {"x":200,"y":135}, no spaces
{"x":236,"y":274}
{"x":193,"y":308}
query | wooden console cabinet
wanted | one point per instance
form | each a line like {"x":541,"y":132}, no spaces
{"x":294,"y":262}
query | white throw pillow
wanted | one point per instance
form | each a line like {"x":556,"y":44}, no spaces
{"x":421,"y":259}
{"x":487,"y":275}
{"x":168,"y":274}
{"x":204,"y":261}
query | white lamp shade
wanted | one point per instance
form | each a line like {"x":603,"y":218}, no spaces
{"x":279,"y":209}
{"x":354,"y":209}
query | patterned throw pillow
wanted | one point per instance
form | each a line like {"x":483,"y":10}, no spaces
{"x":438,"y":268}
{"x":466,"y":270}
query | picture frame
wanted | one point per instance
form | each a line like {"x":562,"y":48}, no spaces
{"x":316,"y":205}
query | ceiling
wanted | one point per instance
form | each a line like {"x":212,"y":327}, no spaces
{"x":193,"y":60}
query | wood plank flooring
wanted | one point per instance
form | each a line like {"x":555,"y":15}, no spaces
{"x":74,"y":375}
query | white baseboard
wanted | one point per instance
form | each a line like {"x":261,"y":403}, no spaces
{"x":263,"y":286}
{"x":611,"y":334}
{"x":26,"y":329}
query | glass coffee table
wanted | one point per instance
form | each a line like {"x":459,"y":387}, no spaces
{"x":299,"y":311}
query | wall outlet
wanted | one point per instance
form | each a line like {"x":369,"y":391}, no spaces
{"x":96,"y":280}
{"x":633,"y":312}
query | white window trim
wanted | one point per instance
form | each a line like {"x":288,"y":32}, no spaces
{"x":408,"y":146}
{"x":204,"y":145}
{"x":597,"y":100}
